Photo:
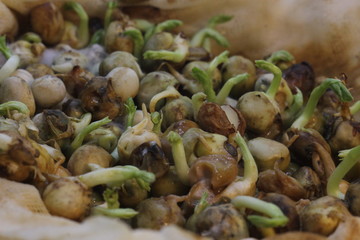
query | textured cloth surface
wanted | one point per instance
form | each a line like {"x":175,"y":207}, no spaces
{"x":23,"y":216}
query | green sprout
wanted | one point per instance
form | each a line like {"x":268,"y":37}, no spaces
{"x":167,"y":25}
{"x":83,"y":28}
{"x":275,"y":217}
{"x":112,"y":208}
{"x":246,"y":184}
{"x":206,"y":83}
{"x":138,"y":40}
{"x":12,"y":62}
{"x":348,"y":159}
{"x":181,"y":165}
{"x":275,"y":83}
{"x":250,"y":167}
{"x":205,"y":78}
{"x":336,"y":85}
{"x":202,"y":38}
{"x":130,"y":110}
{"x":181,"y":49}
{"x":116,"y":176}
{"x":31,"y":37}
{"x":143,"y":25}
{"x":77,"y":142}
{"x":201,"y":206}
{"x":97,"y":37}
{"x":283,"y":59}
{"x":123,"y":213}
{"x":226,"y":88}
{"x":111,"y":6}
{"x":156,"y":119}
{"x":3,"y":47}
{"x":111,"y":197}
{"x":197,"y":100}
{"x":355,"y":108}
{"x":292,"y":112}
{"x":6,"y":107}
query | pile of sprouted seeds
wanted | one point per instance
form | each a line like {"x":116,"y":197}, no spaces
{"x":127,"y":118}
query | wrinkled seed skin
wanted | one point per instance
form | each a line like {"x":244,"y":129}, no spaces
{"x":155,"y":213}
{"x":169,"y":184}
{"x":302,"y":76}
{"x":222,"y":222}
{"x":346,"y":136}
{"x":18,"y":162}
{"x":219,"y":169}
{"x":149,"y":157}
{"x":288,"y":207}
{"x":47,"y":20}
{"x":278,"y":182}
{"x":212,"y":118}
{"x":99,"y":98}
{"x":323,"y":215}
{"x":131,"y":194}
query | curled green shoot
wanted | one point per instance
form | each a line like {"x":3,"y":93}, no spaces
{"x":143,"y":25}
{"x":250,"y":167}
{"x":167,"y":25}
{"x":205,"y":79}
{"x":282,"y":59}
{"x":226,"y":89}
{"x":138,"y":40}
{"x":6,"y":107}
{"x":83,"y":34}
{"x":206,"y":82}
{"x":116,"y":176}
{"x":181,"y":50}
{"x":77,"y":142}
{"x":111,"y":6}
{"x":275,"y":217}
{"x":31,"y":37}
{"x":336,"y":85}
{"x":221,"y":58}
{"x":219,"y":19}
{"x":348,"y":159}
{"x":275,"y":83}
{"x":79,"y":124}
{"x":178,"y":152}
{"x":202,"y":38}
{"x":130,"y":110}
{"x":294,"y":109}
